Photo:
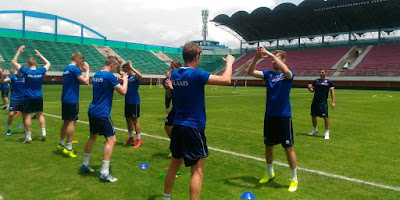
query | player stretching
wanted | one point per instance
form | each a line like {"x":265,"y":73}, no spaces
{"x":169,"y":121}
{"x":104,"y":83}
{"x":72,"y":77}
{"x":18,"y":91}
{"x":33,"y":98}
{"x":278,"y":121}
{"x":132,"y":103}
{"x":319,"y":106}
{"x":188,"y":142}
{"x":5,"y":88}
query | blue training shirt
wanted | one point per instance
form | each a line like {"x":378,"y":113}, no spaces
{"x":278,"y":90}
{"x":132,"y":95}
{"x":188,"y":98}
{"x":18,"y":89}
{"x":70,"y":92}
{"x":4,"y":85}
{"x":103,"y":90}
{"x":33,"y":82}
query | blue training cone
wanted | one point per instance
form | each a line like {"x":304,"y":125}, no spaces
{"x":143,"y":166}
{"x":19,"y":127}
{"x":248,"y":195}
{"x":102,"y":148}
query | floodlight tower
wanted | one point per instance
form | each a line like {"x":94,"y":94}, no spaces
{"x":204,"y":14}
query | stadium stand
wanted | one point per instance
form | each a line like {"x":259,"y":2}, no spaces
{"x":59,"y":54}
{"x":210,"y":63}
{"x":142,"y":60}
{"x":382,"y":56}
{"x":302,"y":62}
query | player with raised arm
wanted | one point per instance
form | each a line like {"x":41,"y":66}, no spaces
{"x":132,"y":103}
{"x":72,"y":77}
{"x":33,"y":98}
{"x":104,"y":83}
{"x":188,"y":142}
{"x":277,"y":122}
{"x":17,"y":84}
{"x":319,"y":107}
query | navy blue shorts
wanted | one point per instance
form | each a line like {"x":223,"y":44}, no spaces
{"x":33,"y":105}
{"x":70,"y":111}
{"x":16,"y":105}
{"x":167,"y":101}
{"x":278,"y":130}
{"x":169,"y":121}
{"x":4,"y":92}
{"x":132,"y":111}
{"x":102,"y":126}
{"x":319,"y":109}
{"x":188,"y":143}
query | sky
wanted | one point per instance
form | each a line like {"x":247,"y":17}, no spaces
{"x":158,"y":22}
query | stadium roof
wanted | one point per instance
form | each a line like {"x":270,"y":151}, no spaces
{"x":313,"y":17}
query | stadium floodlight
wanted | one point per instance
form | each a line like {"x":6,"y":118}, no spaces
{"x":204,"y":14}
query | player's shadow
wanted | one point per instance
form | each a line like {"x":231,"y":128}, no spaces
{"x":161,"y":155}
{"x":250,"y":182}
{"x":306,"y":134}
{"x":93,"y":174}
{"x":34,"y":139}
{"x":156,"y":196}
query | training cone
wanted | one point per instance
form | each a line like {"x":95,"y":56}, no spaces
{"x":102,"y":148}
{"x":143,"y":166}
{"x":19,"y":127}
{"x":248,"y":195}
{"x":75,"y":142}
{"x":162,"y":176}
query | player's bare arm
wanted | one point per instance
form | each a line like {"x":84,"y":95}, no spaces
{"x":311,"y":88}
{"x":84,"y":79}
{"x":14,"y":61}
{"x":225,"y":78}
{"x":252,"y":71}
{"x":47,"y":63}
{"x":333,"y":98}
{"x":121,"y":89}
{"x":5,"y":79}
{"x":139,"y":75}
{"x":282,"y":66}
{"x":168,"y":88}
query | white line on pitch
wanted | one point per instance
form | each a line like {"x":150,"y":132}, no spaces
{"x":263,"y":160}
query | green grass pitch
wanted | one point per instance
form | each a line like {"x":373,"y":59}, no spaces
{"x":364,"y":145}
